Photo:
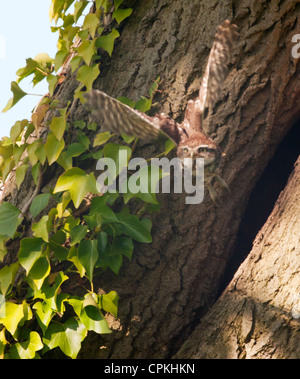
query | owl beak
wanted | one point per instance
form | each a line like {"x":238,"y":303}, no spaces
{"x":192,"y":154}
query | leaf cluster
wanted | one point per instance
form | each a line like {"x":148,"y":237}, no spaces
{"x":37,"y":313}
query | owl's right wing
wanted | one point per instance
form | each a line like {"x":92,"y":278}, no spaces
{"x":213,"y":78}
{"x":217,"y":65}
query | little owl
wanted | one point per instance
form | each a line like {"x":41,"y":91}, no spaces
{"x":189,"y":137}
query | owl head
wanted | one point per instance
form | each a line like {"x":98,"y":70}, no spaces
{"x":199,"y":146}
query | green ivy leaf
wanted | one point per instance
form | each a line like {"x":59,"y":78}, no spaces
{"x":86,"y":50}
{"x":143,"y":105}
{"x":114,"y":262}
{"x":39,"y":203}
{"x":169,"y":145}
{"x":120,"y":155}
{"x":83,"y":139}
{"x":53,"y":148}
{"x":67,"y":337}
{"x":87,"y":75}
{"x":51,"y":301}
{"x":7,"y":276}
{"x":60,"y":58}
{"x":78,"y":233}
{"x":76,"y":303}
{"x":13,"y":315}
{"x":17,"y":129}
{"x":75,"y":62}
{"x":58,"y":124}
{"x":84,"y":35}
{"x":127,"y":101}
{"x":20,"y":174}
{"x":121,"y":14}
{"x":31,"y":150}
{"x":99,"y":208}
{"x":117,"y":3}
{"x":35,"y":172}
{"x":44,"y":313}
{"x":27,"y":349}
{"x":56,"y":9}
{"x":91,"y":22}
{"x":122,"y":246}
{"x":3,"y":340}
{"x":18,"y":151}
{"x":107,"y":42}
{"x":78,"y":183}
{"x":102,"y":241}
{"x":52,"y":81}
{"x":10,"y":316}
{"x":31,"y":249}
{"x":91,"y":315}
{"x":43,"y":59}
{"x":75,"y":149}
{"x":73,"y":257}
{"x":39,"y":271}
{"x":144,"y":181}
{"x":9,"y":219}
{"x":29,"y":69}
{"x":40,"y":67}
{"x":111,"y":255}
{"x":65,"y":161}
{"x":42,"y":228}
{"x":6,"y":148}
{"x":133,"y":227}
{"x":66,"y":198}
{"x":101,"y":138}
{"x":109,"y":302}
{"x":93,"y":221}
{"x":154,"y":87}
{"x":93,"y":319}
{"x":79,"y":8}
{"x":88,"y":255}
{"x":18,"y":94}
{"x":55,"y":244}
{"x":3,"y":250}
{"x":128,"y":139}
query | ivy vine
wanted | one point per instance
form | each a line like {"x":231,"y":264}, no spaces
{"x":37,"y":314}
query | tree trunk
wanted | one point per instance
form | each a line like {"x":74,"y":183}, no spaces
{"x":257,"y":317}
{"x":170,"y":285}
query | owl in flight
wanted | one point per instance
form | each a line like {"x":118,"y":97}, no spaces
{"x":191,"y":142}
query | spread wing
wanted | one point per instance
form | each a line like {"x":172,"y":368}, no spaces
{"x":217,"y":65}
{"x":113,"y":115}
{"x":214,"y":76}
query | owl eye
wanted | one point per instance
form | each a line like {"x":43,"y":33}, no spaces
{"x":202,"y":150}
{"x":185,"y":150}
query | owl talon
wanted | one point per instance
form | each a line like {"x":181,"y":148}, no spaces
{"x":222,"y":183}
{"x":213,"y":194}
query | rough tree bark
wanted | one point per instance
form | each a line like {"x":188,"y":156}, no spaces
{"x":170,"y":285}
{"x":257,"y":317}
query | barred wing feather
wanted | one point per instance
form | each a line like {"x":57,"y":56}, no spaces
{"x":113,"y":115}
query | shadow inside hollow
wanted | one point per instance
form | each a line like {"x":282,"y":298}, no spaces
{"x":262,"y":199}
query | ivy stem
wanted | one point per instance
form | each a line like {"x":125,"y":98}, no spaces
{"x":157,"y":156}
{"x":134,"y":144}
{"x":35,"y":94}
{"x":41,"y":71}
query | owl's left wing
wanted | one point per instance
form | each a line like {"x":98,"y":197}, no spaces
{"x":113,"y":115}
